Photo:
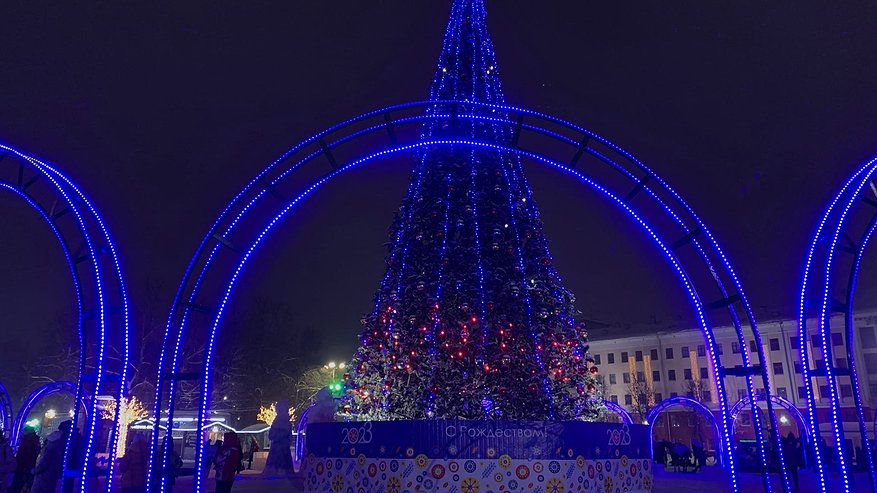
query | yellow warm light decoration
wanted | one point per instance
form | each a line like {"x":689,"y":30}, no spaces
{"x":268,"y":414}
{"x":131,"y":411}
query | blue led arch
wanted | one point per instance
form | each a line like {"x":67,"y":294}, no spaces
{"x":619,"y":410}
{"x":724,"y":455}
{"x":33,"y":399}
{"x":205,"y":287}
{"x":5,"y":411}
{"x":784,"y":403}
{"x":100,"y":289}
{"x":834,"y":256}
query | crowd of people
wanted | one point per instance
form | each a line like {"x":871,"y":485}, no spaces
{"x":38,"y":467}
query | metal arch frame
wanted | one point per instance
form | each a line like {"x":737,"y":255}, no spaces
{"x":800,"y":420}
{"x":831,"y":245}
{"x":35,"y":397}
{"x":796,"y":413}
{"x":619,"y":410}
{"x":100,"y":289}
{"x":681,"y":400}
{"x":639,"y":182}
{"x":6,"y":416}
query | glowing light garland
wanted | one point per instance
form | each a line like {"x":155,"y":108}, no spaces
{"x":105,"y":283}
{"x":823,"y":247}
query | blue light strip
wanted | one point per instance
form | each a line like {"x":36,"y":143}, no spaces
{"x":56,"y":177}
{"x":825,"y":332}
{"x":6,"y":416}
{"x":125,"y":311}
{"x":851,"y":353}
{"x":803,"y":332}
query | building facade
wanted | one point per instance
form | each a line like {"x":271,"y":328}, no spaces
{"x":642,"y":370}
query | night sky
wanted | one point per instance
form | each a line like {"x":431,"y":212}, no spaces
{"x":161,"y":111}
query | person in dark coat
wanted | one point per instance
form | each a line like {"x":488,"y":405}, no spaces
{"x":229,"y":462}
{"x":49,"y":464}
{"x":7,"y":461}
{"x":25,"y":460}
{"x":133,"y":466}
{"x":254,"y":447}
{"x":793,"y":457}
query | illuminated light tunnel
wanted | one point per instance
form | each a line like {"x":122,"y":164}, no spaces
{"x":828,"y":288}
{"x":102,"y":302}
{"x":5,"y":411}
{"x":33,"y":399}
{"x":679,"y":233}
{"x":698,"y":406}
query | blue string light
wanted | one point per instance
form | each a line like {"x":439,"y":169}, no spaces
{"x":74,"y":200}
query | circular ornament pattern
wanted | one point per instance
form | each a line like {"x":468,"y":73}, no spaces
{"x":470,"y":485}
{"x":522,"y":472}
{"x":554,"y":485}
{"x":505,"y":461}
{"x":421,"y":461}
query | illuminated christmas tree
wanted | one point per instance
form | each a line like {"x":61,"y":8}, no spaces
{"x":471,"y":319}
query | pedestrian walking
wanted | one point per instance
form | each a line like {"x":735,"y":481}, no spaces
{"x":133,"y":465}
{"x":7,"y":463}
{"x":793,"y":457}
{"x":49,"y":465}
{"x":229,"y":462}
{"x":254,"y":447}
{"x":25,"y":460}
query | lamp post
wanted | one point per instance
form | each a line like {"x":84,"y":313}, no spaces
{"x":333,"y":366}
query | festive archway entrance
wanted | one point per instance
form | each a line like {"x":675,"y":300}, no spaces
{"x":828,"y":288}
{"x":102,"y":303}
{"x":5,"y":411}
{"x":702,"y":410}
{"x":706,"y":275}
{"x":793,"y":410}
{"x":619,"y":410}
{"x":33,"y":399}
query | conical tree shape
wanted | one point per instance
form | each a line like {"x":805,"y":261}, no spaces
{"x":471,"y":319}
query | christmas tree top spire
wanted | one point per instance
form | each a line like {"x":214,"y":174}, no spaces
{"x":467,"y":68}
{"x":471,"y":319}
